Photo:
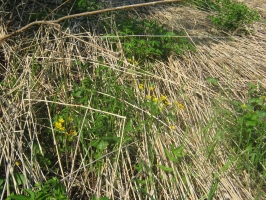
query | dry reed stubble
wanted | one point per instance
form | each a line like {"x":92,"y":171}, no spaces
{"x":235,"y":62}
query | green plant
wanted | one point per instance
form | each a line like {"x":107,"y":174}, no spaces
{"x":85,"y":5}
{"x":233,"y":15}
{"x":208,"y":5}
{"x":50,"y":190}
{"x":147,"y":40}
{"x":250,"y":128}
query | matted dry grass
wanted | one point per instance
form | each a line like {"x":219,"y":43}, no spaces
{"x":233,"y":62}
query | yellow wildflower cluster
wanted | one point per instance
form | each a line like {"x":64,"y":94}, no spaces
{"x":72,"y":132}
{"x":132,"y":61}
{"x":59,"y":124}
{"x":179,"y":105}
{"x":141,"y":86}
{"x":162,"y":99}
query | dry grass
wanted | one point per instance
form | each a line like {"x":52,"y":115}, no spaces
{"x":26,"y":97}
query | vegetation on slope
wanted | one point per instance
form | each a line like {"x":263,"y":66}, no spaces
{"x":114,"y":107}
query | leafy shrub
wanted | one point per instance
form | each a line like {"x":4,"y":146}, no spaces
{"x":87,"y":5}
{"x":230,"y":14}
{"x":233,"y":15}
{"x":51,"y":189}
{"x":147,"y":40}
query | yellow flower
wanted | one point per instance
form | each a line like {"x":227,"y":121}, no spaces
{"x":17,"y":163}
{"x":151,"y":88}
{"x":163,"y":98}
{"x":73,"y":133}
{"x":172,"y":127}
{"x":179,"y":105}
{"x":59,"y":126}
{"x":61,"y":120}
{"x":62,"y":128}
{"x":141,"y":86}
{"x":167,"y":103}
{"x":244,"y":106}
{"x":155,"y":99}
{"x":148,"y":96}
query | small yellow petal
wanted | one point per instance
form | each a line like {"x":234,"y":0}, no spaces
{"x":244,"y":106}
{"x":61,"y":120}
{"x":181,"y":106}
{"x":58,"y":125}
{"x":73,"y":133}
{"x":163,"y":98}
{"x":155,"y":99}
{"x":172,"y":127}
{"x":61,"y":128}
{"x":166,"y":103}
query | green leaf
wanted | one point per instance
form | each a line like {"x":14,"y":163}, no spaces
{"x":99,"y":144}
{"x":19,"y":178}
{"x":213,"y":187}
{"x":129,"y":126}
{"x":170,"y":157}
{"x":168,"y":169}
{"x":212,"y":81}
{"x":251,"y":123}
{"x":18,"y":197}
{"x":177,"y":151}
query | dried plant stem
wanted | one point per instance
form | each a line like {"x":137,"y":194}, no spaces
{"x":85,"y":14}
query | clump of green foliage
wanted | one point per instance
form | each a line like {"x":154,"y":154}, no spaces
{"x":51,"y":189}
{"x":245,"y":128}
{"x":229,"y":14}
{"x":87,"y":5}
{"x":148,"y":40}
{"x":250,"y":128}
{"x":232,"y":15}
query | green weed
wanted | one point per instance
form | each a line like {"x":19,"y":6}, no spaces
{"x":229,"y":14}
{"x":245,"y":126}
{"x":250,"y":128}
{"x":147,"y":40}
{"x":50,"y":190}
{"x":233,"y":15}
